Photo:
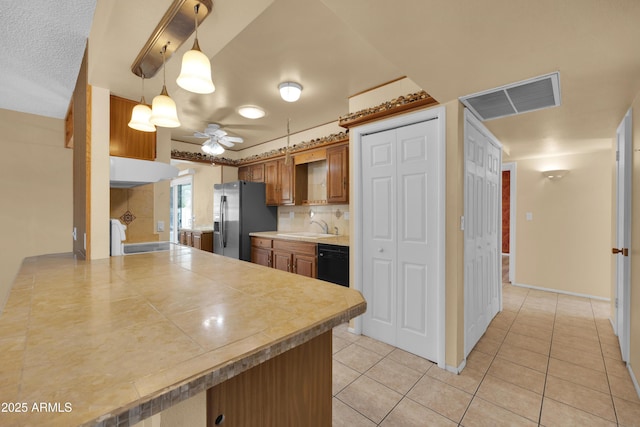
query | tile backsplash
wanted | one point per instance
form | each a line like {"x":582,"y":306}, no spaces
{"x":298,"y":218}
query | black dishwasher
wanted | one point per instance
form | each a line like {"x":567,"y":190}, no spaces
{"x":333,"y":264}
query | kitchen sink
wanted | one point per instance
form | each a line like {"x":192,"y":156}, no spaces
{"x":307,"y":234}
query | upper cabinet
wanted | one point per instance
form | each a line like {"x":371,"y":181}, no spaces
{"x":253,"y":173}
{"x":278,"y":178}
{"x":127,"y":142}
{"x":338,"y":174}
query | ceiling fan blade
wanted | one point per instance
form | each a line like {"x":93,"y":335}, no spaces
{"x":234,"y":139}
{"x":212,"y":127}
{"x":201,"y":135}
{"x":226,"y":143}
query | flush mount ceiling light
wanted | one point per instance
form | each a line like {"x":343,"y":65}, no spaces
{"x":141,"y":114}
{"x":251,"y":112}
{"x":163,"y":109}
{"x":290,"y":91}
{"x":555,"y":174}
{"x":195,"y":75}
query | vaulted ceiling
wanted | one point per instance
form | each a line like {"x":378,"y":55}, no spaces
{"x":337,"y":48}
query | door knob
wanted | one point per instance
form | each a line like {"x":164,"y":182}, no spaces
{"x":623,"y":251}
{"x":380,"y":250}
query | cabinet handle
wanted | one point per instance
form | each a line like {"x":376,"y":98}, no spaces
{"x":289,"y":265}
{"x":294,"y":267}
{"x":344,"y":183}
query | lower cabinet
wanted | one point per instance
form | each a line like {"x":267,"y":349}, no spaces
{"x":198,"y":239}
{"x":294,"y":257}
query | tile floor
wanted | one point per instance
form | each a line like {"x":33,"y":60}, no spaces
{"x":546,"y":360}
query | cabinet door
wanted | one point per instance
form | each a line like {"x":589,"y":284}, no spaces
{"x":257,"y":172}
{"x":244,"y":173}
{"x":183,"y":237}
{"x":271,"y":181}
{"x":196,"y":240}
{"x":285,"y":175}
{"x":282,"y":260}
{"x":338,"y":174}
{"x":305,"y":265}
{"x":261,"y":256}
{"x":189,"y":239}
{"x":124,"y":141}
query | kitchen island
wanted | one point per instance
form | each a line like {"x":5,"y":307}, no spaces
{"x":114,"y":341}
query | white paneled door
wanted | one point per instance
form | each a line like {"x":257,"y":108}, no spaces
{"x":400,"y":183}
{"x":482,"y":225}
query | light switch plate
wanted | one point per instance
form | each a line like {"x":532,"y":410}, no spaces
{"x":160,"y":226}
{"x":529,"y":216}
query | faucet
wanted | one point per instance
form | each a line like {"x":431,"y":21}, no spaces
{"x":324,"y":225}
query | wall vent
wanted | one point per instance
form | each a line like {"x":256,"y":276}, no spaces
{"x":516,"y":98}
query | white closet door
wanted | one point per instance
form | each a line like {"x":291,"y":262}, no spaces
{"x":400,"y":224}
{"x":482,"y":217}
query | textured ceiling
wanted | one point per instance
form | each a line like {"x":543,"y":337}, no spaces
{"x":43,"y":44}
{"x":337,"y":48}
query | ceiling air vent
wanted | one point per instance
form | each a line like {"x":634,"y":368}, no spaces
{"x":516,"y":98}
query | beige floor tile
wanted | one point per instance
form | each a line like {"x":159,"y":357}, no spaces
{"x":577,"y":331}
{"x":608,"y":338}
{"x":446,"y":400}
{"x":468,"y":380}
{"x":531,"y":330}
{"x":345,"y":416}
{"x":342,"y":376}
{"x":394,"y":375}
{"x":370,"y":398}
{"x":616,"y":368}
{"x":511,"y":397}
{"x":495,"y":333}
{"x":590,"y":360}
{"x":410,"y":360}
{"x":611,"y":351}
{"x":524,"y":357}
{"x":339,"y":343}
{"x":376,"y":346}
{"x":485,"y":414}
{"x":479,"y":361}
{"x":488,"y":346}
{"x":623,"y":388}
{"x":503,"y":319}
{"x":521,"y":376}
{"x":556,"y":414}
{"x":342,"y":331}
{"x":580,"y":344}
{"x":572,"y":320}
{"x":586,"y":399}
{"x":576,"y":374}
{"x":358,"y":358}
{"x":529,"y":343}
{"x":628,"y":412}
{"x":540,"y":320}
{"x":411,"y":414}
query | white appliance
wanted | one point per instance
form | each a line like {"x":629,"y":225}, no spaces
{"x":118,"y":235}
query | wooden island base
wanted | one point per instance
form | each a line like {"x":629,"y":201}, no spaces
{"x":292,"y":389}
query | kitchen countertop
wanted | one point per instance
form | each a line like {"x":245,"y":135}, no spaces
{"x":113,"y":341}
{"x":340,"y":240}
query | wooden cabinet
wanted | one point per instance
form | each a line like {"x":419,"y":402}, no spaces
{"x":199,"y":239}
{"x":338,"y":174}
{"x":294,"y":257}
{"x":124,"y":141}
{"x":278,"y":178}
{"x":253,"y":173}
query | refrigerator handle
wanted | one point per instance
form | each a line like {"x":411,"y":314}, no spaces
{"x":223,"y":242}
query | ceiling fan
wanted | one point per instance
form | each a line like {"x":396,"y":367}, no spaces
{"x":216,"y":139}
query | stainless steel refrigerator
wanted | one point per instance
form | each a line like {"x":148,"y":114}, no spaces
{"x":240,"y":208}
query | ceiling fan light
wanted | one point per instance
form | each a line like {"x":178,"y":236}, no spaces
{"x":195,"y":75}
{"x":163,"y":111}
{"x":212,"y":148}
{"x":251,"y":112}
{"x":140,"y":118}
{"x":290,"y":91}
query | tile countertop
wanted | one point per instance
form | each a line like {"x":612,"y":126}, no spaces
{"x":340,"y":240}
{"x":113,"y":341}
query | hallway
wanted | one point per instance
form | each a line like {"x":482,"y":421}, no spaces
{"x":547,"y":359}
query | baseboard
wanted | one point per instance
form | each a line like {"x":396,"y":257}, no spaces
{"x":613,"y":326}
{"x":558,"y":291}
{"x":633,"y":378}
{"x":457,"y":370}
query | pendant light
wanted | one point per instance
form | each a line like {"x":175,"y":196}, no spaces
{"x":163,"y":108}
{"x":287,"y":156}
{"x":141,"y":114}
{"x":195,"y":75}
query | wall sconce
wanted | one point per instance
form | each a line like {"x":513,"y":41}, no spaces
{"x":555,"y":175}
{"x":290,"y":91}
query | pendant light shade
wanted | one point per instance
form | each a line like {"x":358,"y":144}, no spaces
{"x":195,"y":75}
{"x":290,"y":91}
{"x":141,"y":114}
{"x":163,"y":109}
{"x":212,"y":148}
